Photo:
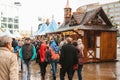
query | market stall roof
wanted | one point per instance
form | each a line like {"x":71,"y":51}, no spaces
{"x":95,"y":19}
{"x":41,"y":30}
{"x":51,"y":27}
{"x":82,"y":27}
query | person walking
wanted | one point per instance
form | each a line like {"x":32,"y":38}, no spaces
{"x":27,"y":54}
{"x":80,"y":48}
{"x":68,"y":59}
{"x":42,"y":56}
{"x":14,"y":43}
{"x":54,"y":49}
{"x":8,"y":60}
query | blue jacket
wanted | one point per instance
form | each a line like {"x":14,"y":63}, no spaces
{"x":54,"y":46}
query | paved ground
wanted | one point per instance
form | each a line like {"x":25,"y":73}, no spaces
{"x":91,"y":71}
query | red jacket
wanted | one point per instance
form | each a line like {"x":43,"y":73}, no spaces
{"x":42,"y":52}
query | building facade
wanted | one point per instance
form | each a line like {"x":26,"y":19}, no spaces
{"x":9,"y":17}
{"x":113,"y":12}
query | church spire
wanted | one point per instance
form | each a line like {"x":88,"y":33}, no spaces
{"x":67,"y":4}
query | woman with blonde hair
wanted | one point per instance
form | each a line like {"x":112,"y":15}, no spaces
{"x":80,"y":48}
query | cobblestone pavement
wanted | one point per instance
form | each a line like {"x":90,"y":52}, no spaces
{"x":91,"y":71}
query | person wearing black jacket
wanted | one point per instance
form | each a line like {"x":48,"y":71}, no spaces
{"x":68,"y":59}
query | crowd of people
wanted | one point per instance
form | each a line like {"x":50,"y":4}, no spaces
{"x":65,"y":52}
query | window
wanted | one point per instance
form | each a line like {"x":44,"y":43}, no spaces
{"x":111,"y":10}
{"x":4,"y":19}
{"x":117,"y":5}
{"x":111,"y":6}
{"x":117,"y":14}
{"x":90,"y":39}
{"x":117,"y":9}
{"x":1,"y":13}
{"x":11,"y":31}
{"x":16,"y":26}
{"x":117,"y":22}
{"x":16,"y":20}
{"x":10,"y":19}
{"x":3,"y":25}
{"x":116,"y":18}
{"x":104,"y":7}
{"x":10,"y":26}
{"x":111,"y":14}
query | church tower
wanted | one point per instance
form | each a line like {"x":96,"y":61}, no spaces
{"x":67,"y":13}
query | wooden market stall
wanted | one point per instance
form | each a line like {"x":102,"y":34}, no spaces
{"x":97,"y":32}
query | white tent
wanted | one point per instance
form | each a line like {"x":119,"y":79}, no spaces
{"x":7,"y":32}
{"x":1,"y":33}
{"x":17,"y":34}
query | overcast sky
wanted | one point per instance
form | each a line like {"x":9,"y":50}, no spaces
{"x":30,"y":10}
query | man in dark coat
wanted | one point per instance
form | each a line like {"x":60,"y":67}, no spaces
{"x":68,"y":58}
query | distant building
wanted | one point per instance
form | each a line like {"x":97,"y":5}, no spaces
{"x":9,"y":17}
{"x":88,"y":7}
{"x":111,"y":9}
{"x":113,"y":12}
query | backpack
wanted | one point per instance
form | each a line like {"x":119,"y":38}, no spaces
{"x":54,"y":46}
{"x":27,"y":51}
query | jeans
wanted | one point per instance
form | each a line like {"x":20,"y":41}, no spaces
{"x":79,"y":72}
{"x":54,"y":69}
{"x":19,"y":64}
{"x":26,"y":70}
